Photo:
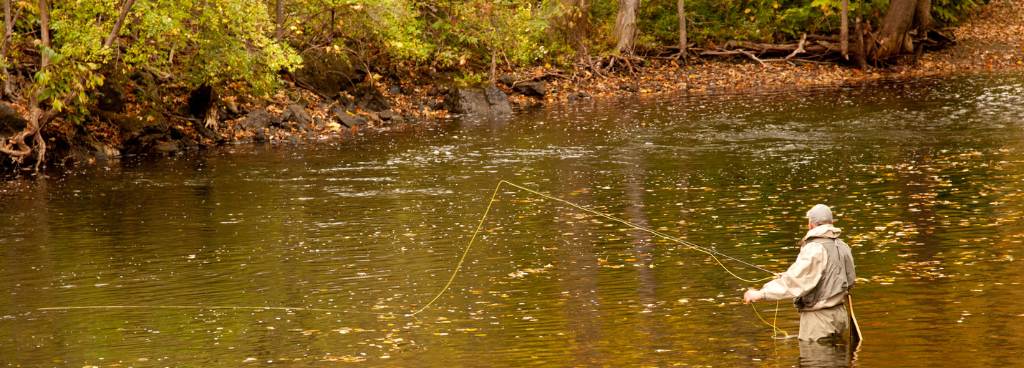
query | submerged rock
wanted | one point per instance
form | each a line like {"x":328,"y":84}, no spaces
{"x":166,"y":147}
{"x":487,"y":101}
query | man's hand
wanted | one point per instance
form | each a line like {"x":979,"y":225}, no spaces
{"x":752,"y":296}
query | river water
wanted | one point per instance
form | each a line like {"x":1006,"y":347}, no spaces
{"x":925,"y":180}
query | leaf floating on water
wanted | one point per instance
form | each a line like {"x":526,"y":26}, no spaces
{"x":343,"y":359}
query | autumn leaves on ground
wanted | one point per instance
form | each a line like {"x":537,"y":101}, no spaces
{"x":991,"y":41}
{"x":94,"y":82}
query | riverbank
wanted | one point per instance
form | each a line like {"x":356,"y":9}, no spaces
{"x":312,"y":108}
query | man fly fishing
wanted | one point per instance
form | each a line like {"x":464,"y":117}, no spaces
{"x":819,"y":281}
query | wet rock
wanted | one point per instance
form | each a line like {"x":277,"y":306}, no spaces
{"x":327,"y":73}
{"x":298,"y":114}
{"x":257,"y":120}
{"x":578,"y":96}
{"x":166,"y":147}
{"x":206,"y":132}
{"x":533,"y":89}
{"x":487,"y":101}
{"x":103,"y":151}
{"x":348,"y":119}
{"x":11,"y":122}
{"x":507,"y":80}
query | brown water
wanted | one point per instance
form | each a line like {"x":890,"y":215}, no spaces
{"x":925,"y":180}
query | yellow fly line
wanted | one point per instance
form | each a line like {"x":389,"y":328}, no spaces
{"x":715,"y":255}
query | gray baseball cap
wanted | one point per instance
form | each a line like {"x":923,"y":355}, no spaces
{"x":819,"y":214}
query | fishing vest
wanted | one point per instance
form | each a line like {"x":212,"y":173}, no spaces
{"x":837,"y":278}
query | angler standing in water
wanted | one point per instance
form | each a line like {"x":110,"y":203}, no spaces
{"x":819,"y":281}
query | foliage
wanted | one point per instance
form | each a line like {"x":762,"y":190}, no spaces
{"x":220,"y":42}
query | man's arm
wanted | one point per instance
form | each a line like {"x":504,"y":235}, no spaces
{"x":800,"y":278}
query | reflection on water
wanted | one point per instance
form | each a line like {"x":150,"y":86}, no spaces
{"x":925,"y":179}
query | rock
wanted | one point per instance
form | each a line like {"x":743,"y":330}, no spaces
{"x":257,"y":120}
{"x":488,"y":101}
{"x":386,"y":115}
{"x":261,"y":136}
{"x":533,"y":89}
{"x":11,"y":122}
{"x":166,"y":147}
{"x":103,"y":151}
{"x":347,"y":119}
{"x":578,"y":96}
{"x":395,"y":90}
{"x":297,"y":113}
{"x":207,"y":132}
{"x":507,"y":80}
{"x":372,"y":116}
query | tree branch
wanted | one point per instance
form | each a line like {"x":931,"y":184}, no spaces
{"x":125,"y":7}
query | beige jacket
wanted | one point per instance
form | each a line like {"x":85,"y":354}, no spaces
{"x":804,"y":274}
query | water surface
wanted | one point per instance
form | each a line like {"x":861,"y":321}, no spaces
{"x":925,"y":180}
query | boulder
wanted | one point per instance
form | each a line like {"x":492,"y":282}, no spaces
{"x":533,"y":89}
{"x":347,"y":119}
{"x":298,"y":114}
{"x":11,"y":122}
{"x":486,"y":101}
{"x":166,"y":147}
{"x":257,"y":120}
{"x":507,"y":80}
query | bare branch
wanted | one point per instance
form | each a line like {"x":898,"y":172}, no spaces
{"x":126,"y":6}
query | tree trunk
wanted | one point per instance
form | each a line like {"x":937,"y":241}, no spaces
{"x":899,"y":19}
{"x":279,"y":19}
{"x":494,"y":67}
{"x":8,"y":31}
{"x":844,"y":29}
{"x":923,"y":16}
{"x":681,"y":9}
{"x":861,"y":55}
{"x":625,"y":26}
{"x":44,"y":32}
